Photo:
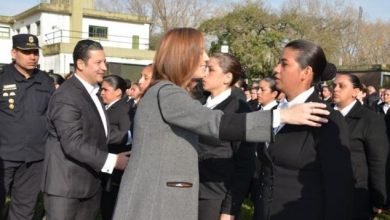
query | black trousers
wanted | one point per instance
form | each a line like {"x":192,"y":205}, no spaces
{"x":209,"y":209}
{"x":22,"y":182}
{"x":110,"y":185}
{"x":62,"y":208}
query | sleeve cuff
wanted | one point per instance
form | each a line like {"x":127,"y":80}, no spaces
{"x":129,"y":138}
{"x":276,"y":118}
{"x":109,"y":165}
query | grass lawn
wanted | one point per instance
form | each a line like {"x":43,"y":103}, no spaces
{"x":246,"y":211}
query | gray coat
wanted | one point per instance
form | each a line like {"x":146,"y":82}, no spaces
{"x":164,"y":152}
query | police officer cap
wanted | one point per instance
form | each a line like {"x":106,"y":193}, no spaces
{"x":25,"y":42}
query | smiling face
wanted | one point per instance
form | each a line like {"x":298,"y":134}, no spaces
{"x":290,"y":78}
{"x":93,"y":69}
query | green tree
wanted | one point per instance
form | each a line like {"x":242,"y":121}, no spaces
{"x":253,"y":34}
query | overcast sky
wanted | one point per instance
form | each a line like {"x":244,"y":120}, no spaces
{"x":373,"y":9}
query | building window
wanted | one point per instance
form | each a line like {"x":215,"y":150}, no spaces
{"x":135,"y":42}
{"x":98,"y":31}
{"x":4,"y":32}
{"x":38,"y":23}
{"x":28,"y":29}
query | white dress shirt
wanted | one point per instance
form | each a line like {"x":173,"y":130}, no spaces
{"x":299,"y":99}
{"x":92,"y":90}
{"x":269,"y":106}
{"x":386,"y":107}
{"x":212,"y":102}
{"x":346,"y":109}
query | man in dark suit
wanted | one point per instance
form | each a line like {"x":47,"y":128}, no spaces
{"x":76,"y":149}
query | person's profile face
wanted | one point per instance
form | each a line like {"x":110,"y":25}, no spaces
{"x":264,"y":94}
{"x":215,"y":79}
{"x":202,"y":69}
{"x":288,"y":73}
{"x":146,"y":78}
{"x":108,"y":93}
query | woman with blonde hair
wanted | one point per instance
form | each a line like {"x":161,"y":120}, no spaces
{"x":161,"y":180}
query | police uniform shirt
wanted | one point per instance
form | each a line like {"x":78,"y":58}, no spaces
{"x":23,"y":105}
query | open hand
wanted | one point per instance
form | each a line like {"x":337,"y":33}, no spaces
{"x":312,"y":114}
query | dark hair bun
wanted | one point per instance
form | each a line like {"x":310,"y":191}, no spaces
{"x":329,"y":72}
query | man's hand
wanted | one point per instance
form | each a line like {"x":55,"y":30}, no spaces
{"x":122,"y":160}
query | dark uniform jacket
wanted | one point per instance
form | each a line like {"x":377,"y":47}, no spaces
{"x":385,"y":115}
{"x":226,"y":167}
{"x":306,"y":172}
{"x":118,"y":116}
{"x":369,"y":150}
{"x":23,"y":105}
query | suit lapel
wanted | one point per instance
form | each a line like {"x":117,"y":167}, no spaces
{"x":353,"y":116}
{"x":76,"y":82}
{"x":283,"y":137}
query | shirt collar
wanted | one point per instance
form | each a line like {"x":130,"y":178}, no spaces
{"x":213,"y":102}
{"x":112,"y":103}
{"x":269,"y":106}
{"x":301,"y":98}
{"x":19,"y":77}
{"x":91,"y":89}
{"x":346,"y":109}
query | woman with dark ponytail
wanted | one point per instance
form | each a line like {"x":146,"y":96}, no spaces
{"x":306,"y":172}
{"x":369,"y":147}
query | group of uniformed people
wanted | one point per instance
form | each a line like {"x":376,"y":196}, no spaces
{"x":69,"y":177}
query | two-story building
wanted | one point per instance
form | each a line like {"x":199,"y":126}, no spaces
{"x":60,"y":24}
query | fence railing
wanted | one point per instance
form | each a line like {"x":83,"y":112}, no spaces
{"x":120,"y":41}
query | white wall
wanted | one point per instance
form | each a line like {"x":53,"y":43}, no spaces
{"x":58,"y":63}
{"x":120,"y":34}
{"x":51,"y":24}
{"x":128,"y":61}
{"x":6,"y":46}
{"x":61,"y":63}
{"x":22,"y":24}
